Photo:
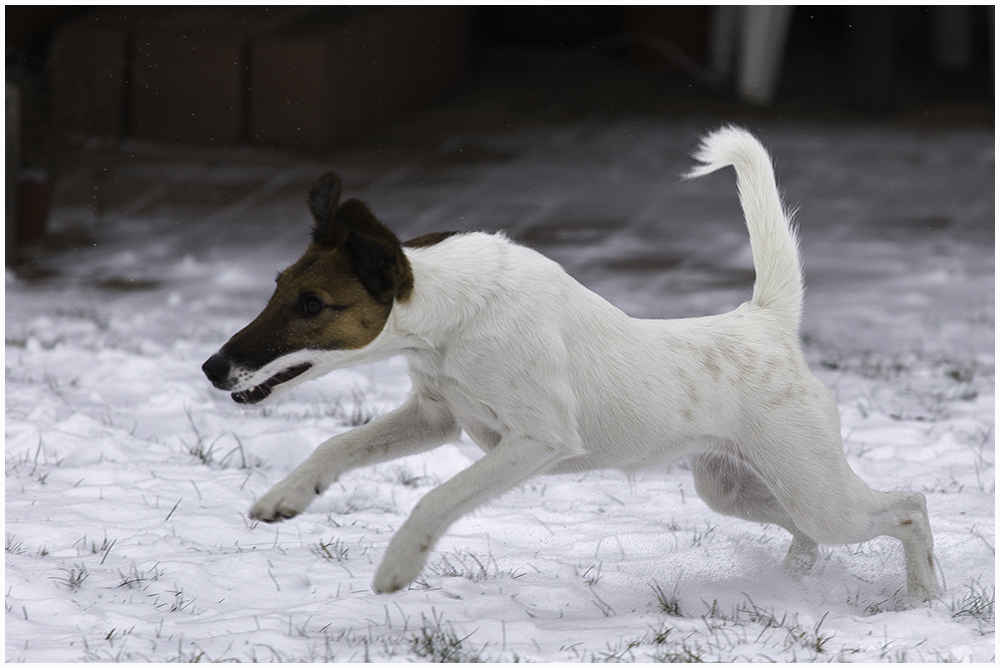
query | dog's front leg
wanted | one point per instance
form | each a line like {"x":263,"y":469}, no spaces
{"x":514,"y":460}
{"x":419,"y":424}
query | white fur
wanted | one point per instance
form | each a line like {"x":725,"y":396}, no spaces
{"x":547,"y":377}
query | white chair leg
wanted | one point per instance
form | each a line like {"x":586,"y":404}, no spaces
{"x":764,"y":30}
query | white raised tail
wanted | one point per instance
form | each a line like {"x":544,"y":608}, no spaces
{"x":773,"y":240}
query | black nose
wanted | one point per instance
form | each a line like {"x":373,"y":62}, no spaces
{"x":217,"y":370}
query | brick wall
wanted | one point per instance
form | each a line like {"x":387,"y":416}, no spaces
{"x":286,"y":77}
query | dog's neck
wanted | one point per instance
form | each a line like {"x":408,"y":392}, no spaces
{"x":449,"y":287}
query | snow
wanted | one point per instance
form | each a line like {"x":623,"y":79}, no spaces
{"x":128,"y":477}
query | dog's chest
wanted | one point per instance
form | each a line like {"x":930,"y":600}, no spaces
{"x":474,"y":412}
{"x":469,"y":403}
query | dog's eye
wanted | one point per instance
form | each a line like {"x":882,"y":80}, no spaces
{"x":310,"y":305}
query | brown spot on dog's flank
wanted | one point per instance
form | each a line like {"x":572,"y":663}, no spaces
{"x":906,"y":523}
{"x":711,"y":364}
{"x":427,"y":240}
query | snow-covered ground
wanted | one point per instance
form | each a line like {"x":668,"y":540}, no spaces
{"x":128,"y":477}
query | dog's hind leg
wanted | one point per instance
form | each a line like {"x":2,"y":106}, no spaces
{"x":838,"y":508}
{"x":515,"y":459}
{"x":802,"y":462}
{"x":729,"y":486}
{"x":420,"y":424}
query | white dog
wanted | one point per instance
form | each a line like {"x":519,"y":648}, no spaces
{"x":548,"y":377}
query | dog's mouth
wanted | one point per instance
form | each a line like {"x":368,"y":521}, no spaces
{"x":263,"y":391}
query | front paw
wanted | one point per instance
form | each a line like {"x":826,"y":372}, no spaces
{"x":393,"y":577}
{"x":401,"y":566}
{"x":286,"y":499}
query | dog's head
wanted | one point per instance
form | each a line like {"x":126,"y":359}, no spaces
{"x":336,"y":297}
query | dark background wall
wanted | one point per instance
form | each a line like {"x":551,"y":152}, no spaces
{"x":213,"y":75}
{"x":312,"y":79}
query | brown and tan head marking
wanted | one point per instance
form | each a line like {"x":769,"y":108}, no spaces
{"x":337,"y":296}
{"x":375,"y":254}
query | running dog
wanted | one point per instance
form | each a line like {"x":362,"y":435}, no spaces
{"x":547,"y":377}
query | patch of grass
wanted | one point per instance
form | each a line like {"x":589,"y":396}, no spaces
{"x":201,"y":453}
{"x":136,"y":579}
{"x":205,"y":451}
{"x":14,"y":463}
{"x":684,"y":654}
{"x":333,"y":550}
{"x":176,"y":604}
{"x":104,"y":548}
{"x":964,"y":371}
{"x":668,"y":603}
{"x":783,"y":633}
{"x":358,"y":412}
{"x":925,"y":387}
{"x":698,"y":536}
{"x":74,"y":577}
{"x":200,"y":450}
{"x":593,"y":574}
{"x":245,"y":461}
{"x":12,"y":545}
{"x":353,"y":410}
{"x":811,"y":638}
{"x":868,"y":364}
{"x":894,"y":601}
{"x":620,"y":652}
{"x":465,"y":564}
{"x":437,"y":642}
{"x":978,"y":604}
{"x":665,"y":649}
{"x":602,"y":605}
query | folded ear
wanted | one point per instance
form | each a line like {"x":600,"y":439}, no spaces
{"x":374,"y":251}
{"x":323,"y":199}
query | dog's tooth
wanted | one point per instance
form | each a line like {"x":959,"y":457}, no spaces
{"x":251,"y":396}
